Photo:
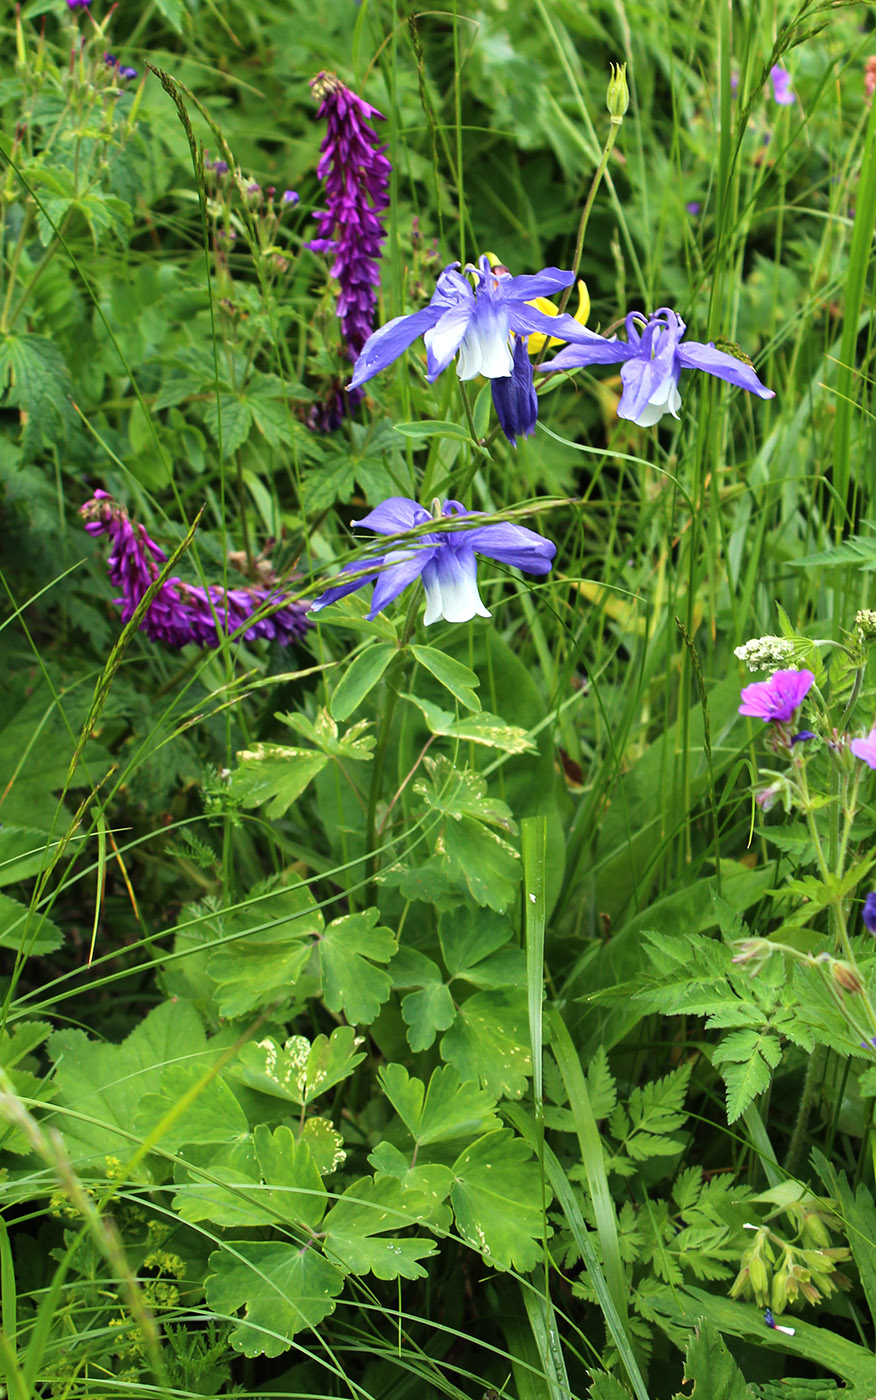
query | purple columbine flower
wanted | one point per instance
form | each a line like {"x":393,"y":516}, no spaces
{"x":781,"y":81}
{"x":777,"y":698}
{"x":652,"y":358}
{"x":865,"y":748}
{"x":444,"y":560}
{"x":180,"y":612}
{"x":356,"y":172}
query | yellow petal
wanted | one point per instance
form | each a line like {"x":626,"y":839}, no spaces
{"x":535,"y":342}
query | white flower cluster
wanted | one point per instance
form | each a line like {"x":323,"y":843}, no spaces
{"x":865,"y":621}
{"x":767,"y":654}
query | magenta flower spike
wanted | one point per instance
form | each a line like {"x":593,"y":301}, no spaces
{"x":778,"y":698}
{"x":182,"y":613}
{"x":356,"y":171}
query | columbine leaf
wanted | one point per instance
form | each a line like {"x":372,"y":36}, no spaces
{"x":284,"y":1288}
{"x":274,"y":774}
{"x":266,"y":951}
{"x":298,"y":1071}
{"x":214,"y":1116}
{"x":459,"y":680}
{"x":489,"y":1042}
{"x":277,"y":1181}
{"x":447,"y":1109}
{"x":430,"y":1179}
{"x":359,"y":678}
{"x":367,"y":1209}
{"x":322,"y":732}
{"x":347,"y":952}
{"x":496,"y":1198}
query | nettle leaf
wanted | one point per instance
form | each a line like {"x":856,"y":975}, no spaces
{"x":267,"y":945}
{"x":489,"y":1042}
{"x":748,"y":1059}
{"x":213,"y":1116}
{"x":347,"y":952}
{"x":22,"y":853}
{"x":106,"y":1084}
{"x":28,"y":930}
{"x":299,"y":1071}
{"x":228,"y":416}
{"x":284,"y":1289}
{"x":448,"y":1109}
{"x":369,"y":1208}
{"x":496,"y":1196}
{"x":274,"y":774}
{"x":35,"y":378}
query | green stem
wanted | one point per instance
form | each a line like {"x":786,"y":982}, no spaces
{"x":811,"y":1084}
{"x":371,"y":834}
{"x":614,"y":128}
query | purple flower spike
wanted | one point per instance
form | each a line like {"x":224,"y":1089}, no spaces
{"x":651,"y":360}
{"x":781,"y":81}
{"x":865,"y":748}
{"x":356,"y":171}
{"x":444,"y":560}
{"x":181,"y":613}
{"x":777,"y":698}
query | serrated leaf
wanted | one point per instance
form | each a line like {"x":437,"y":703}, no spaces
{"x":601,"y":1085}
{"x":489,"y":1042}
{"x":283,"y":1288}
{"x":496,"y":1197}
{"x":447,"y":1109}
{"x":28,"y":930}
{"x":348,"y":950}
{"x":34,"y":374}
{"x":236,"y":421}
{"x":710,"y":1367}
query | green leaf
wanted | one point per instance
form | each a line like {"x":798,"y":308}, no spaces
{"x":22,"y":852}
{"x":856,"y":550}
{"x":430,"y":1179}
{"x":299,"y":1072}
{"x":710,"y":1367}
{"x":433,"y":427}
{"x":322,"y":732}
{"x":369,"y":1208}
{"x":360,"y":677}
{"x":236,"y":421}
{"x":460,"y":680}
{"x":468,"y":936}
{"x":601,"y":1085}
{"x":748,"y":1059}
{"x":105,"y":1083}
{"x":427,"y":1012}
{"x":25,"y":929}
{"x":481,"y":728}
{"x":266,"y":951}
{"x":347,"y":952}
{"x":273,"y":1180}
{"x":326,"y":1145}
{"x":489,"y":1042}
{"x":496,"y":1198}
{"x":284,"y":1289}
{"x":482,"y":863}
{"x":35,"y":375}
{"x":274,"y":774}
{"x":172,"y":10}
{"x":214,"y":1116}
{"x":447,"y":1109}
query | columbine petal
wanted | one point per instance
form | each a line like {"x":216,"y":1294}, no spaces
{"x":450,"y":581}
{"x":514,"y":397}
{"x":359,"y":566}
{"x":484,"y":348}
{"x":593,"y":349}
{"x":390,"y":341}
{"x":527,"y":286}
{"x":692,"y":354}
{"x":392,"y":516}
{"x":445,"y":338}
{"x":537,"y":341}
{"x":513,"y":545}
{"x":401,"y":567}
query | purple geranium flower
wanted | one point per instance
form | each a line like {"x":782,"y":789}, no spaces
{"x":78,"y":4}
{"x":777,"y":698}
{"x":652,"y":358}
{"x":781,"y":81}
{"x":865,"y":748}
{"x":181,"y":612}
{"x":356,"y":172}
{"x":444,"y":560}
{"x":868,"y":913}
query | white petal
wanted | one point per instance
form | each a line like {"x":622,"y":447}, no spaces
{"x":485,"y":348}
{"x":665,"y":399}
{"x":451,"y":585}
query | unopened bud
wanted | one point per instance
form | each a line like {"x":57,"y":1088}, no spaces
{"x":845,"y":975}
{"x":617,"y":99}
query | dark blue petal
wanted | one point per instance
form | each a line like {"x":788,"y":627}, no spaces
{"x":331,"y":595}
{"x":513,"y":545}
{"x":514,"y":397}
{"x":402,"y":566}
{"x":692,"y":354}
{"x":538,"y":284}
{"x":595,"y":350}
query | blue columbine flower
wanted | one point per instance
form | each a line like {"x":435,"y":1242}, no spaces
{"x":444,"y":560}
{"x":868,"y":913}
{"x":480,"y":321}
{"x":652,"y":358}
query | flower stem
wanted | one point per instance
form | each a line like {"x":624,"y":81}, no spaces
{"x":613,"y":130}
{"x":395,"y":668}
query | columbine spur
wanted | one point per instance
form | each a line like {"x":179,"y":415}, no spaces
{"x":445,"y":560}
{"x":778,"y":698}
{"x":651,"y":359}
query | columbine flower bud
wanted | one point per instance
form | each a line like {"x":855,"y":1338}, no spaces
{"x":617,"y":99}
